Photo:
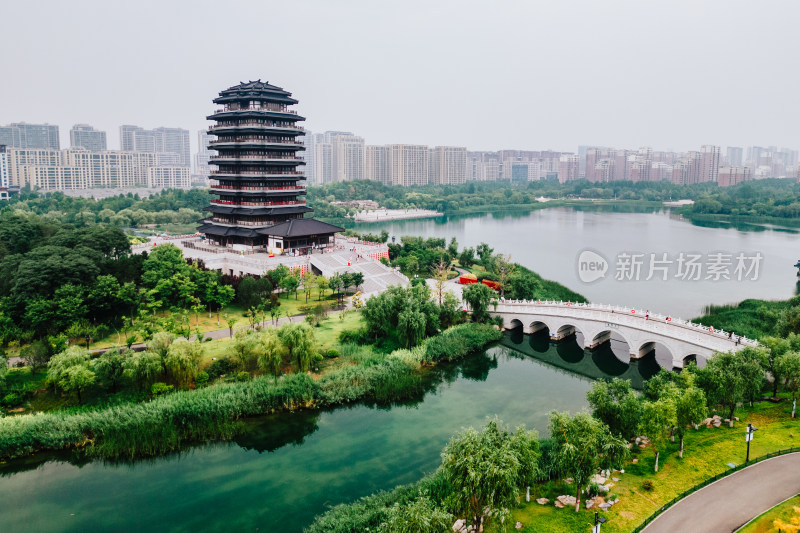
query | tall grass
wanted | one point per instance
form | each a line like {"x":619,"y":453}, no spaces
{"x":168,"y":422}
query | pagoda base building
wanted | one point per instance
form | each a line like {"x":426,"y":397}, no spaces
{"x":259,"y":186}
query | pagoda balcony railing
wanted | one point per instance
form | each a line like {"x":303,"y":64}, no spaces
{"x":227,"y":222}
{"x":249,"y":188}
{"x":264,"y":157}
{"x":273,"y":108}
{"x":256,"y":123}
{"x":257,"y":204}
{"x":258,"y":173}
{"x":256,"y":140}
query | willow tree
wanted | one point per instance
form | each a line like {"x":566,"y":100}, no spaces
{"x":298,"y":339}
{"x":581,"y":445}
{"x":487,"y":469}
{"x":270,"y":358}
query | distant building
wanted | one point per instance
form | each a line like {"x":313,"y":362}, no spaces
{"x":709,"y":163}
{"x":23,"y":135}
{"x":448,"y":165}
{"x":376,"y":166}
{"x":4,"y":181}
{"x":169,"y":177}
{"x":734,"y":175}
{"x":735,"y":154}
{"x":347,"y":157}
{"x":568,"y":167}
{"x":408,"y":164}
{"x":203,"y":154}
{"x":85,"y":136}
{"x":158,"y":140}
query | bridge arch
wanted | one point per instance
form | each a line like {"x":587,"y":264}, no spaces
{"x":665,"y":354}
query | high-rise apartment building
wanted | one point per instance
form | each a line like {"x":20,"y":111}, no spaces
{"x":201,"y":166}
{"x":169,"y":177}
{"x":4,"y":181}
{"x":709,"y":163}
{"x":734,"y":175}
{"x":408,"y":164}
{"x":158,"y":140}
{"x":735,"y":154}
{"x":23,"y":135}
{"x":568,"y":167}
{"x":85,"y":136}
{"x":347,"y":157}
{"x":448,"y":165}
{"x":376,"y":165}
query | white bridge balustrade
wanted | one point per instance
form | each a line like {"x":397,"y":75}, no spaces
{"x":686,"y":341}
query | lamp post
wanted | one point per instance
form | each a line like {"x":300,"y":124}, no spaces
{"x":598,"y":521}
{"x":87,"y":341}
{"x":748,"y":438}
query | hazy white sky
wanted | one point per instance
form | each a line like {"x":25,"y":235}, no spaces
{"x":671,"y":74}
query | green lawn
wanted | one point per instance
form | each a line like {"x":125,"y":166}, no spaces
{"x":707,"y":451}
{"x":784,"y":512}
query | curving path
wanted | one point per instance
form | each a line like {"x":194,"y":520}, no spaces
{"x":734,"y":500}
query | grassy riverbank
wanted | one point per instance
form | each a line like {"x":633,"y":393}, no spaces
{"x":753,"y":318}
{"x":168,"y":422}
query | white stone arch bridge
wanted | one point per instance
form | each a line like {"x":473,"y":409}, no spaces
{"x":686,"y":341}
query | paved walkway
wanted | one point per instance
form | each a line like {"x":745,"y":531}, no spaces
{"x":734,"y":500}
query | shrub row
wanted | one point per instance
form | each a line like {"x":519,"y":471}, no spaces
{"x":459,"y":341}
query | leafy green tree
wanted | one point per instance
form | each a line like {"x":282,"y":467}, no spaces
{"x":356,"y":279}
{"x":36,"y":355}
{"x":246,"y":348}
{"x":411,"y":327}
{"x":467,"y":257}
{"x":109,"y":368}
{"x":478,"y":296}
{"x":617,"y":405}
{"x":488,"y":468}
{"x":289,"y":284}
{"x":159,"y":345}
{"x":690,"y":406}
{"x":71,"y":370}
{"x":658,"y":420}
{"x":788,"y":365}
{"x":270,"y":358}
{"x":484,"y":252}
{"x":452,"y":248}
{"x":421,"y":515}
{"x":752,"y":363}
{"x":103,"y":298}
{"x":221,"y":296}
{"x":277,"y":274}
{"x":722,"y":382}
{"x":183,"y":361}
{"x":143,"y":369}
{"x":581,"y":445}
{"x":298,"y":339}
{"x":322,"y":285}
{"x":777,"y":346}
{"x":450,"y":310}
{"x":523,"y":285}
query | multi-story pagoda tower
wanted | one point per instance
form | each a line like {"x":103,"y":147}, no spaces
{"x":259,"y":183}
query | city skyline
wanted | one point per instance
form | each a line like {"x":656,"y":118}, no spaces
{"x":384,"y":70}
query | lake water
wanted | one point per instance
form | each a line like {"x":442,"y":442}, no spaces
{"x":549,"y":242}
{"x":286,"y":469}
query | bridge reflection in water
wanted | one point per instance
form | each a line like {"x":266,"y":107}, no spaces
{"x":603,"y":362}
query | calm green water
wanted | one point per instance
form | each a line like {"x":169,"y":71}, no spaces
{"x":549,"y":241}
{"x":286,"y":469}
